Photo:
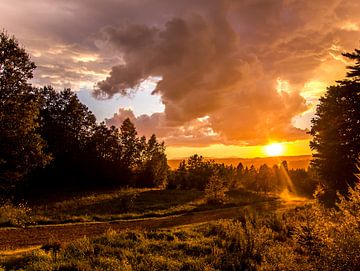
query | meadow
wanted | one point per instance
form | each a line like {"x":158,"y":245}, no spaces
{"x":79,"y":192}
{"x":130,"y":203}
{"x":310,"y":237}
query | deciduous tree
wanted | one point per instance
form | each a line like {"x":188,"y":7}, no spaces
{"x":21,"y":146}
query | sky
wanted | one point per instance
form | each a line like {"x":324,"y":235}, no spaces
{"x":216,"y":77}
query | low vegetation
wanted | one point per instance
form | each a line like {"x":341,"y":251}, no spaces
{"x":306,"y":238}
{"x":128,"y":203}
{"x":50,"y":141}
{"x":15,"y":215}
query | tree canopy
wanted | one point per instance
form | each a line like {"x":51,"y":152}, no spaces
{"x":336,"y":130}
{"x":21,"y":147}
{"x":51,"y":141}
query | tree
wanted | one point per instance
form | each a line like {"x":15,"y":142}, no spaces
{"x":264,"y":178}
{"x":21,"y":146}
{"x":215,"y":190}
{"x":129,"y":145}
{"x":105,"y":143}
{"x":336,"y":130}
{"x":67,"y":125}
{"x":199,"y":172}
{"x":153,"y":170}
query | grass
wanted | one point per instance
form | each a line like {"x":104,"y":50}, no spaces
{"x":132,"y":204}
{"x":202,"y":247}
{"x":305,"y":238}
{"x":310,"y":237}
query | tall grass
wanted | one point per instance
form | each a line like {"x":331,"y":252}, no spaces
{"x":306,"y":238}
{"x":18,"y":215}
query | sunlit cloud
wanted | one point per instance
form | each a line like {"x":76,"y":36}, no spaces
{"x":350,"y":26}
{"x":219,"y":74}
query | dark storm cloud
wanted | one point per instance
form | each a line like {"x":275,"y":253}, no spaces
{"x":225,"y":62}
{"x":219,"y":59}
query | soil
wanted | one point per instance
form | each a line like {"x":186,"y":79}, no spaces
{"x":20,"y":238}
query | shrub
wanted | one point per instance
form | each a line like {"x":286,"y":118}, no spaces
{"x":127,"y":201}
{"x":215,"y":191}
{"x":15,"y":215}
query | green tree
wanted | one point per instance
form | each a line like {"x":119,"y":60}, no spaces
{"x":199,"y":172}
{"x":66,"y":123}
{"x":105,"y":143}
{"x":336,"y":131}
{"x":215,"y":190}
{"x":264,"y":177}
{"x":130,"y":145}
{"x":154,"y":169}
{"x":21,"y":146}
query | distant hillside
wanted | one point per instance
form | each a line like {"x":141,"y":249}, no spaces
{"x":301,"y":161}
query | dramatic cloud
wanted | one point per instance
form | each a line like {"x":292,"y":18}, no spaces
{"x":233,"y":72}
{"x":226,"y":64}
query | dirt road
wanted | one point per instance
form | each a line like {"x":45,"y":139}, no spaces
{"x":15,"y":238}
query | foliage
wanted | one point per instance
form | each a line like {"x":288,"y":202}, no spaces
{"x":51,"y":141}
{"x":15,"y":215}
{"x":305,"y":238}
{"x":196,"y":172}
{"x":153,"y":169}
{"x":21,"y":147}
{"x":89,"y":155}
{"x":66,"y":125}
{"x":336,"y":131}
{"x":215,"y":190}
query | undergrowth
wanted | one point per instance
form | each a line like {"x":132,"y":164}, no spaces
{"x":305,"y":238}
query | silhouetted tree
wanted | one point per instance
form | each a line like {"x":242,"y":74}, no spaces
{"x":215,"y":190}
{"x":103,"y":156}
{"x":304,"y":181}
{"x":105,"y":143}
{"x":67,"y":125}
{"x":153,"y":170}
{"x":264,"y":177}
{"x":336,"y":130}
{"x":249,"y":179}
{"x":21,"y":147}
{"x":193,"y":173}
{"x":130,"y":145}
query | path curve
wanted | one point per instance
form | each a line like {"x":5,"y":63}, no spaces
{"x":17,"y":238}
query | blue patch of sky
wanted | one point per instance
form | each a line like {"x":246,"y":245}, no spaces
{"x":141,"y":102}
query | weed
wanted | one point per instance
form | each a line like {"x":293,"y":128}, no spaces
{"x":15,"y":215}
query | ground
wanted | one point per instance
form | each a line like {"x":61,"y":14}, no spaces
{"x":151,"y":209}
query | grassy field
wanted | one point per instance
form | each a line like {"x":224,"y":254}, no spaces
{"x":305,"y":238}
{"x":124,"y":204}
{"x":310,"y":237}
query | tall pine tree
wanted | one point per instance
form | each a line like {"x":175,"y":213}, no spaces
{"x":336,"y":130}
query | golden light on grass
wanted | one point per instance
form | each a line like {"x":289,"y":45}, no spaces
{"x":274,"y":149}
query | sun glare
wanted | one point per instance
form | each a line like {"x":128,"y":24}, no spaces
{"x":274,"y":149}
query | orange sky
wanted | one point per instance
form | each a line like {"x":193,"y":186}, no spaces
{"x":215,"y":77}
{"x":299,"y":147}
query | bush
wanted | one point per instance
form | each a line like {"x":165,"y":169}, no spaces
{"x":15,"y":215}
{"x":305,"y":238}
{"x":215,"y":191}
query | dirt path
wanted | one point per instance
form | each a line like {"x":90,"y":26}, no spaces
{"x":15,"y":238}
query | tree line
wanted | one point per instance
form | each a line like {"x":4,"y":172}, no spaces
{"x":49,"y":140}
{"x":197,"y":172}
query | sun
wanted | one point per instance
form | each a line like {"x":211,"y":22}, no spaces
{"x":274,"y":149}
